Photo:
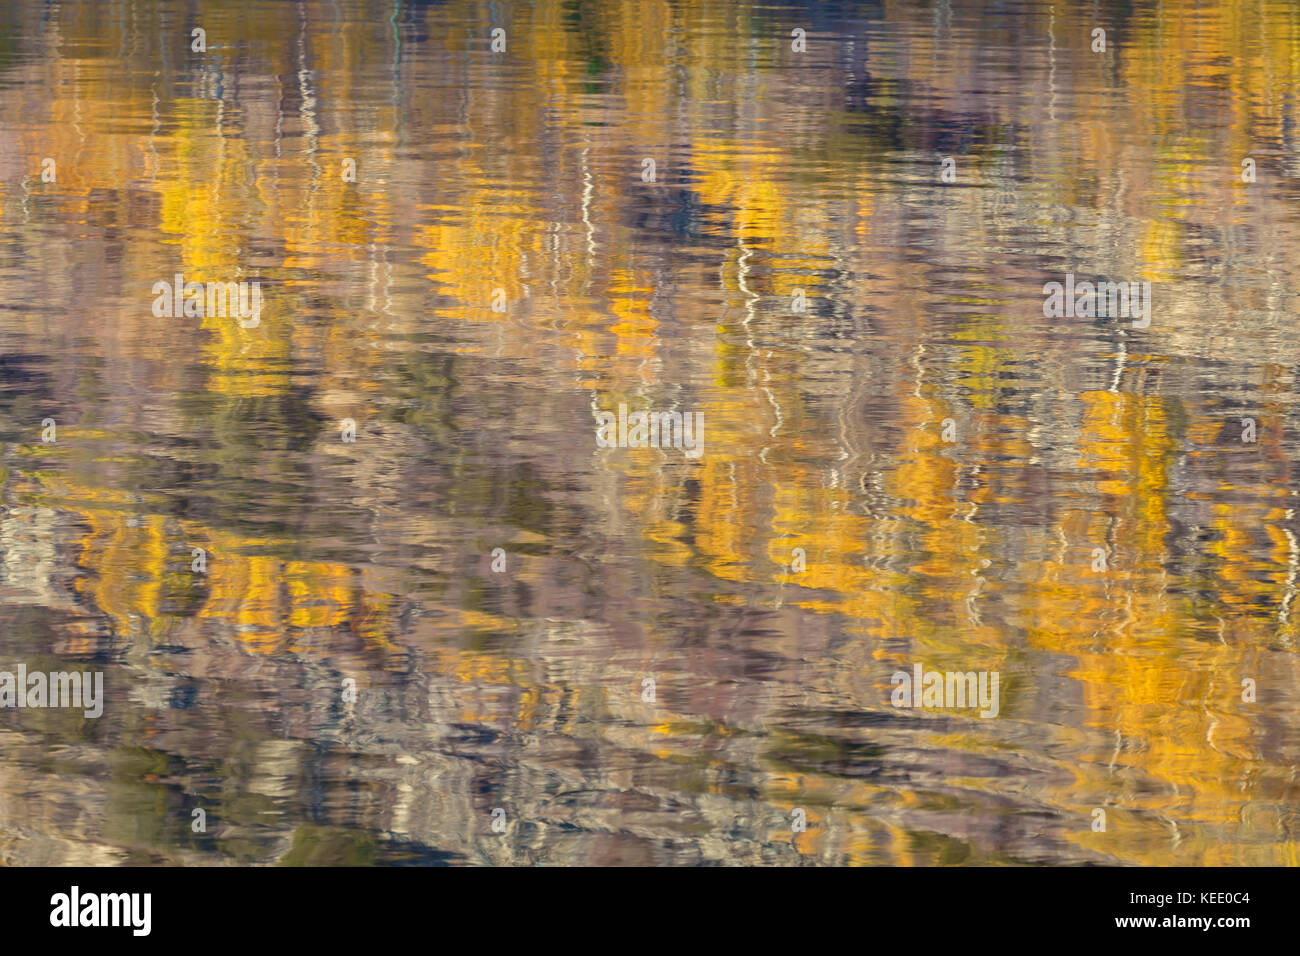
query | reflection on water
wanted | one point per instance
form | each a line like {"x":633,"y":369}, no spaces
{"x":776,"y":171}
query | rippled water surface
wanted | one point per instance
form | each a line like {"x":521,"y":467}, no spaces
{"x":955,"y":466}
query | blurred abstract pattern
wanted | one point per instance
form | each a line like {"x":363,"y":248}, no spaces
{"x":776,"y":171}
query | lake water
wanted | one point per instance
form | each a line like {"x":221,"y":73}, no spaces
{"x":672,"y":658}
